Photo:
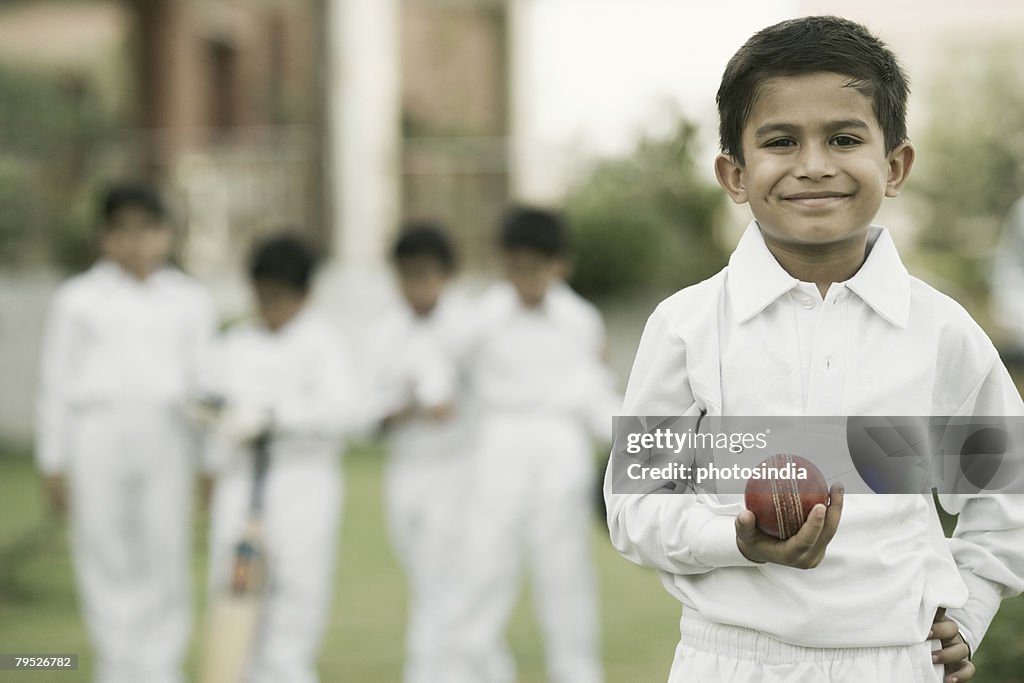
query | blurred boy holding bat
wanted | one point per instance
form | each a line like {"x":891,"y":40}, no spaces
{"x":283,"y":378}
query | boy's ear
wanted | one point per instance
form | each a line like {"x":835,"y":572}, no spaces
{"x":729,"y":172}
{"x":901,"y":160}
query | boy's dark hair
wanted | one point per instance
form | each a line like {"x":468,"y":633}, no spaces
{"x":283,"y":258}
{"x":813,"y":45}
{"x":425,"y":239}
{"x":537,"y":230}
{"x":136,"y":194}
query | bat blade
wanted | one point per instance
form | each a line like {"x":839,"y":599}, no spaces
{"x":231,"y":627}
{"x":233,"y":617}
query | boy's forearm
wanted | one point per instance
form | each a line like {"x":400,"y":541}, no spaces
{"x":677,"y":533}
{"x":51,"y":409}
{"x":51,"y":425}
{"x":988,"y":547}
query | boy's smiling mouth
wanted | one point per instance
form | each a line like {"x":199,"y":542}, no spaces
{"x":815,"y":199}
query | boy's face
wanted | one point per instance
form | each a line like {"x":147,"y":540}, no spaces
{"x":422,"y":279}
{"x":531,"y":273}
{"x":136,"y":240}
{"x":816,"y":168}
{"x":278,"y":302}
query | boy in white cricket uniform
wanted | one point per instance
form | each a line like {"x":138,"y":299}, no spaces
{"x":418,"y":380}
{"x":285,"y":373}
{"x":539,"y":379}
{"x":816,"y":315}
{"x":120,"y":356}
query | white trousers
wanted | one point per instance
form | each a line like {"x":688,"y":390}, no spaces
{"x":130,"y":479}
{"x":301,"y":518}
{"x":716,"y":653}
{"x":425,"y":502}
{"x":532,"y":497}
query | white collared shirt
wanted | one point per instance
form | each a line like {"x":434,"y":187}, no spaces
{"x":414,"y":361}
{"x":299,"y":374}
{"x":113,"y":339}
{"x":418,"y":362}
{"x":543,"y":360}
{"x":752,"y":340}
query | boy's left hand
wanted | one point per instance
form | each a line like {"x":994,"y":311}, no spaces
{"x":955,"y":652}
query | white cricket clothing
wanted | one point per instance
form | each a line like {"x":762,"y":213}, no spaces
{"x":752,"y":340}
{"x":112,"y":340}
{"x":119,"y":357}
{"x":302,"y":376}
{"x":715,"y":653}
{"x":414,"y":360}
{"x":418,"y":362}
{"x":539,"y":380}
{"x":544,"y":360}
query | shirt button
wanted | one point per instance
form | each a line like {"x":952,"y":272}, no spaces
{"x":828,"y":363}
{"x":808,"y":303}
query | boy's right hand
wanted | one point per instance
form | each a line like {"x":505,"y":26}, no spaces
{"x":805,"y":549}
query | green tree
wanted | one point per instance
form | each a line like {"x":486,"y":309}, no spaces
{"x":646,"y":221}
{"x":50,"y":123}
{"x":971,"y":167}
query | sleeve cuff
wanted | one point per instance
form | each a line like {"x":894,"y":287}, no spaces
{"x":975,"y":617}
{"x":716,"y":544}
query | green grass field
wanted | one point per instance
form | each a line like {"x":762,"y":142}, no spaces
{"x":38,"y":609}
{"x":364,"y":642}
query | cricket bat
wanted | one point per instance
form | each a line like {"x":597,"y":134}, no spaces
{"x":234,"y":615}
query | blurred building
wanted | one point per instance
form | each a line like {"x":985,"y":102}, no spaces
{"x":455,"y":116}
{"x":228,"y":113}
{"x":261,"y":113}
{"x":214,"y":99}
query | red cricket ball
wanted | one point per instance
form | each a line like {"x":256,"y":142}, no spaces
{"x":781,"y":497}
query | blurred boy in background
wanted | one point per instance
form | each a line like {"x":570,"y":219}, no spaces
{"x":285,"y":375}
{"x":418,"y":379}
{"x":541,"y":385}
{"x":120,"y":356}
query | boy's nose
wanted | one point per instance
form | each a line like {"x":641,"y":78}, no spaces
{"x":814,"y":162}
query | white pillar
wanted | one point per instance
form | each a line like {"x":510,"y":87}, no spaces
{"x":521,"y":156}
{"x":363,"y":122}
{"x":538,"y":165}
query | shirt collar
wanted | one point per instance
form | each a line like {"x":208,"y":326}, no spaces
{"x":114,"y":271}
{"x":756,"y":279}
{"x":883,"y":282}
{"x":109,"y":269}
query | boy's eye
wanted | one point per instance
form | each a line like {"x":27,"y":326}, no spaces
{"x":845,"y":141}
{"x":780,"y":142}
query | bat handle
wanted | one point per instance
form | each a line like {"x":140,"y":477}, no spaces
{"x":247,"y":573}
